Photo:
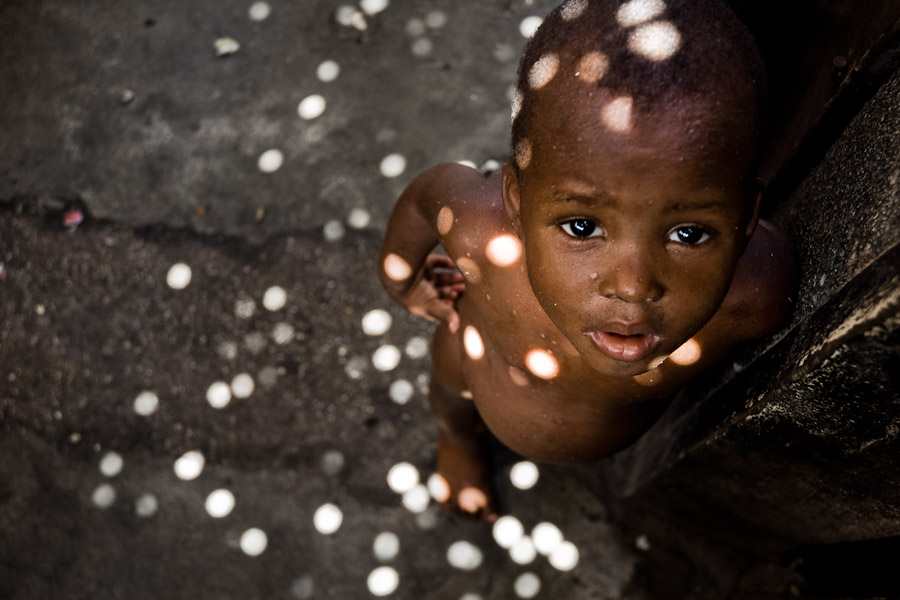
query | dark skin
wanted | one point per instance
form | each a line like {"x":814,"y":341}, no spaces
{"x":601,"y":275}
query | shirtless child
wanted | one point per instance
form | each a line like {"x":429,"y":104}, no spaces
{"x":620,"y":254}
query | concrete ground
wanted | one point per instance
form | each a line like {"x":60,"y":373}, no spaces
{"x":123,"y":114}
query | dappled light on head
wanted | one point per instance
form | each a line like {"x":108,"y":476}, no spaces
{"x":473,"y":343}
{"x":592,"y":67}
{"x":523,"y":153}
{"x":504,"y":250}
{"x":445,"y":220}
{"x":542,"y":364}
{"x":655,"y":41}
{"x":573,"y":9}
{"x":686,"y":354}
{"x":636,"y":12}
{"x":617,"y":115}
{"x":469,"y":269}
{"x":543,"y":71}
{"x":396,"y":268}
{"x":650,"y":378}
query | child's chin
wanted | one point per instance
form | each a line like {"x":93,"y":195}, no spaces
{"x":621,"y":368}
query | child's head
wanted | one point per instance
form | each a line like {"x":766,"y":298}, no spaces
{"x":636,"y":131}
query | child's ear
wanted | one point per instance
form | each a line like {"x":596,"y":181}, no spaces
{"x":758,"y":189}
{"x":511,"y":200}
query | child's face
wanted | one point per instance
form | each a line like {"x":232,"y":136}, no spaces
{"x":631,"y":240}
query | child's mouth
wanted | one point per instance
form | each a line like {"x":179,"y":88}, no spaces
{"x":625,"y":347}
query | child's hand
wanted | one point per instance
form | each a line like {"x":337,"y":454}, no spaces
{"x":435,"y":290}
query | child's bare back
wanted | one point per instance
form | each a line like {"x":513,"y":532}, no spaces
{"x":617,"y":257}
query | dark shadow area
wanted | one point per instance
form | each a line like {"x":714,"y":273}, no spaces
{"x":866,"y":569}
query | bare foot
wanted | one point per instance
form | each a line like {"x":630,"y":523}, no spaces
{"x":463,"y":485}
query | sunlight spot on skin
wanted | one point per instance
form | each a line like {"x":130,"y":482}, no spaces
{"x":527,"y":585}
{"x":469,"y":269}
{"x":518,"y":376}
{"x":504,"y":250}
{"x":656,"y":41}
{"x":517,"y":100}
{"x":466,"y":394}
{"x":523,"y":153}
{"x":592,"y":67}
{"x":617,"y":115}
{"x":650,"y":378}
{"x":473,"y":343}
{"x":573,"y":9}
{"x":542,"y":364}
{"x":439,"y":488}
{"x":686,"y":354}
{"x":639,"y":11}
{"x":383,"y":581}
{"x":464,"y":555}
{"x":445,"y":220}
{"x":524,"y":475}
{"x":471,"y":499}
{"x":523,"y":552}
{"x":396,"y":268}
{"x":543,"y":71}
{"x":507,"y":531}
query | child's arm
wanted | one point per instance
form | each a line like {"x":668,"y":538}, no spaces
{"x":426,"y":284}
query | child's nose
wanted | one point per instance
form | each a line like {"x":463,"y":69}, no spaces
{"x":632,"y":278}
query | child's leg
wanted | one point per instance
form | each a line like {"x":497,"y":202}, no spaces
{"x":461,"y":458}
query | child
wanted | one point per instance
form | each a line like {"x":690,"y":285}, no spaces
{"x":620,"y":254}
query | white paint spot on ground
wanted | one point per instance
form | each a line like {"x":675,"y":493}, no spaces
{"x":527,"y":585}
{"x":529,"y":26}
{"x":270,"y":161}
{"x":328,"y":519}
{"x":254,"y":541}
{"x":219,"y":394}
{"x":104,"y":496}
{"x":386,"y":546}
{"x":417,"y":347}
{"x":564,"y":557}
{"x":226,"y":46}
{"x":244,"y":309}
{"x":422,"y":47}
{"x":436,"y":19}
{"x":111,"y":464}
{"x":220,"y":503}
{"x":376,"y":322}
{"x":328,"y":71}
{"x":464,"y":555}
{"x":393,"y":165}
{"x":189,"y":465}
{"x":386,"y":358}
{"x":146,"y":506}
{"x":415,"y":27}
{"x":283,"y":333}
{"x":242,"y":385}
{"x":303,"y":588}
{"x":332,"y":462}
{"x":372,"y":7}
{"x":401,"y":391}
{"x":656,"y":41}
{"x":333,"y":230}
{"x":417,"y":499}
{"x":383,"y":581}
{"x":403,"y":477}
{"x":260,"y":11}
{"x":546,"y":537}
{"x":146,"y":403}
{"x":523,"y":551}
{"x":636,"y":12}
{"x":507,"y":531}
{"x":524,"y":475}
{"x":179,"y":276}
{"x":359,"y":218}
{"x":275,"y":298}
{"x":311,"y":107}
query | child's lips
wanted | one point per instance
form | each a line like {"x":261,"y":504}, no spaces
{"x":631,"y":348}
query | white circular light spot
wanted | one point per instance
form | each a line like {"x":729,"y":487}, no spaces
{"x":283,"y":333}
{"x":523,"y":551}
{"x":393,"y":165}
{"x":189,"y":465}
{"x":332,"y":462}
{"x":311,"y":107}
{"x":328,"y":71}
{"x":371,"y":7}
{"x":270,"y":161}
{"x":111,"y":464}
{"x":415,"y":27}
{"x":436,"y":19}
{"x":636,"y":12}
{"x":438,"y":487}
{"x":242,"y":385}
{"x":254,"y":542}
{"x":146,"y":506}
{"x":516,"y":106}
{"x":219,"y":394}
{"x":529,"y":26}
{"x":421,"y":47}
{"x":376,"y":322}
{"x":527,"y":585}
{"x":303,"y":588}
{"x":244,"y":309}
{"x":220,"y":503}
{"x":417,"y":499}
{"x":546,"y":537}
{"x":386,"y":358}
{"x":417,"y":347}
{"x":542,"y":364}
{"x":403,"y":477}
{"x":328,"y":519}
{"x":401,"y":391}
{"x":507,"y":531}
{"x":686,"y":354}
{"x":464,"y":555}
{"x":383,"y":581}
{"x":655,"y":41}
{"x":260,"y":11}
{"x":470,"y":596}
{"x":333,"y":230}
{"x":396,"y":268}
{"x":386,"y":546}
{"x":275,"y":298}
{"x":179,"y":276}
{"x":524,"y":475}
{"x":564,"y":557}
{"x":473,"y":343}
{"x":359,"y":218}
{"x":104,"y":496}
{"x":146,"y":403}
{"x":617,"y":114}
{"x":504,"y":250}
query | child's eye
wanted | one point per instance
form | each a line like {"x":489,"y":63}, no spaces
{"x":688,"y":235}
{"x":581,"y":228}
